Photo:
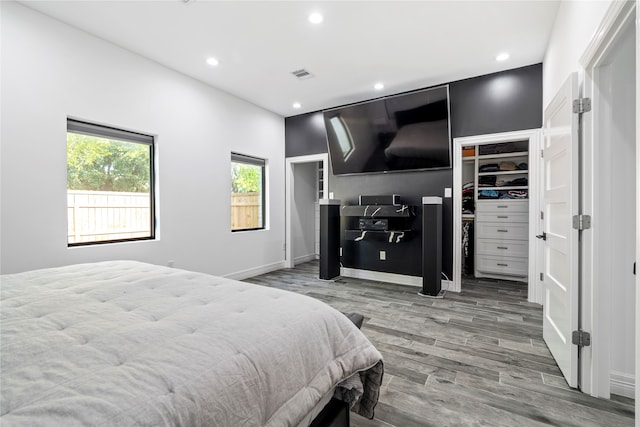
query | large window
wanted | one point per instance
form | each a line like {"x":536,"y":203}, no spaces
{"x":247,"y":192}
{"x":110,"y":194}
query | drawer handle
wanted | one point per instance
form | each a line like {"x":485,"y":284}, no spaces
{"x":502,"y":247}
{"x":503,"y":207}
{"x":503,"y":231}
{"x":502,"y":265}
{"x":503,"y":216}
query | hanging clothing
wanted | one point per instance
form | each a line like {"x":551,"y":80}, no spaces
{"x":467,"y":247}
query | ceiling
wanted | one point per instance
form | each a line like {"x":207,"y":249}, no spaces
{"x":404,"y":44}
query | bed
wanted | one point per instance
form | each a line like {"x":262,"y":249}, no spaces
{"x":124,"y":343}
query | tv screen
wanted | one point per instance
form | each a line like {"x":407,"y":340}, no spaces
{"x":396,"y":133}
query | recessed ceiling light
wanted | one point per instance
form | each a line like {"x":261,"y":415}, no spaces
{"x":502,"y":57}
{"x":378,"y":86}
{"x":315,"y":18}
{"x":297,"y":105}
{"x":213,"y":62}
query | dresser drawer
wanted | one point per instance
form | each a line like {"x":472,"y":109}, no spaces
{"x":502,"y":206}
{"x":507,"y":231}
{"x":501,"y":248}
{"x":502,"y":217}
{"x":502,"y":265}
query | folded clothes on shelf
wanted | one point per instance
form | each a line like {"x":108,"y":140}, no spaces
{"x":519,"y":194}
{"x":508,"y":166}
{"x":517,"y":181}
{"x":514,"y":194}
{"x":503,"y":147}
{"x":523,"y":166}
{"x":488,"y":194}
{"x":488,"y":180}
{"x":490,"y":167}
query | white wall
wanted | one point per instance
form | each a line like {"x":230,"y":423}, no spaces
{"x":305,"y":189}
{"x":617,"y":88}
{"x":51,"y":71}
{"x":575,"y":25}
{"x":637,"y":396}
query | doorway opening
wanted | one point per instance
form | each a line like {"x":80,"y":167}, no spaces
{"x":609,"y":196}
{"x":306,"y":183}
{"x":495,"y":185}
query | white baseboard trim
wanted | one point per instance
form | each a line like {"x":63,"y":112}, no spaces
{"x":623,"y":384}
{"x":447,"y":285}
{"x":256,"y":271}
{"x":304,"y":258}
{"x":400,"y":279}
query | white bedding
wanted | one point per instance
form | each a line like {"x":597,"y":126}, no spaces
{"x":125,"y":343}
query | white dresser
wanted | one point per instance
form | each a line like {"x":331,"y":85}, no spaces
{"x":502,"y":211}
{"x":502,"y":238}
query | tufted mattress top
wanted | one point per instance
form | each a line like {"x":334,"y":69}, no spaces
{"x":124,"y":343}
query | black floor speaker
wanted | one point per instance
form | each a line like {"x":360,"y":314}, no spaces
{"x":329,"y":239}
{"x":432,"y":247}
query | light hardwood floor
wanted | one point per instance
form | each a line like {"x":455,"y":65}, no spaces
{"x":474,"y":358}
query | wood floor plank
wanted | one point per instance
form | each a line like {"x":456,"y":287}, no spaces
{"x":474,"y":358}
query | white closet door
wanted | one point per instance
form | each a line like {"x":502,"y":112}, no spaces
{"x":561,"y":246}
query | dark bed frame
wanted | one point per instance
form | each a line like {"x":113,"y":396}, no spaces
{"x":334,"y":414}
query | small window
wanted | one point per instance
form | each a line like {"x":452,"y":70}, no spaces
{"x":247,"y":193}
{"x":110,"y":195}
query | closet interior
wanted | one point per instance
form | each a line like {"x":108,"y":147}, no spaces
{"x":495,"y":210}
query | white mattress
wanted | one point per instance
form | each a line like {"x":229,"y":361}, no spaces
{"x":125,"y":343}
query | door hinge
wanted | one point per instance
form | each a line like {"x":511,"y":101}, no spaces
{"x":542,"y":277}
{"x":541,"y":214}
{"x":541,"y":153}
{"x":581,"y":338}
{"x":581,"y":105}
{"x":581,"y":222}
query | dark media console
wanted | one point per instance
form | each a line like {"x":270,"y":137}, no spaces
{"x":372,"y":230}
{"x":383,"y":218}
{"x":373,"y":224}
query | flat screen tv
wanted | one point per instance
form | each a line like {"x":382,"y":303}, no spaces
{"x":396,"y":133}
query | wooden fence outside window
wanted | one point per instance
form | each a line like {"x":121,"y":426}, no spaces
{"x":245,"y":211}
{"x":95,"y":216}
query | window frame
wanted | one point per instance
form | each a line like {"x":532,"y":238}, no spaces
{"x":110,"y":132}
{"x":254,"y":161}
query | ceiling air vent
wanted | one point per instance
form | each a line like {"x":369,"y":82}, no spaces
{"x":302,"y":74}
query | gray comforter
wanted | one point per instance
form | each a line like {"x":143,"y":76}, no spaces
{"x":126,"y":343}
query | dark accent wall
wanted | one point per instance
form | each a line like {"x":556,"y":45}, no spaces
{"x":304,"y":135}
{"x":500,"y":102}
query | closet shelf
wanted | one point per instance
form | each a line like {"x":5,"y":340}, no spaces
{"x":514,"y":172}
{"x":503,"y":155}
{"x":515,"y":187}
